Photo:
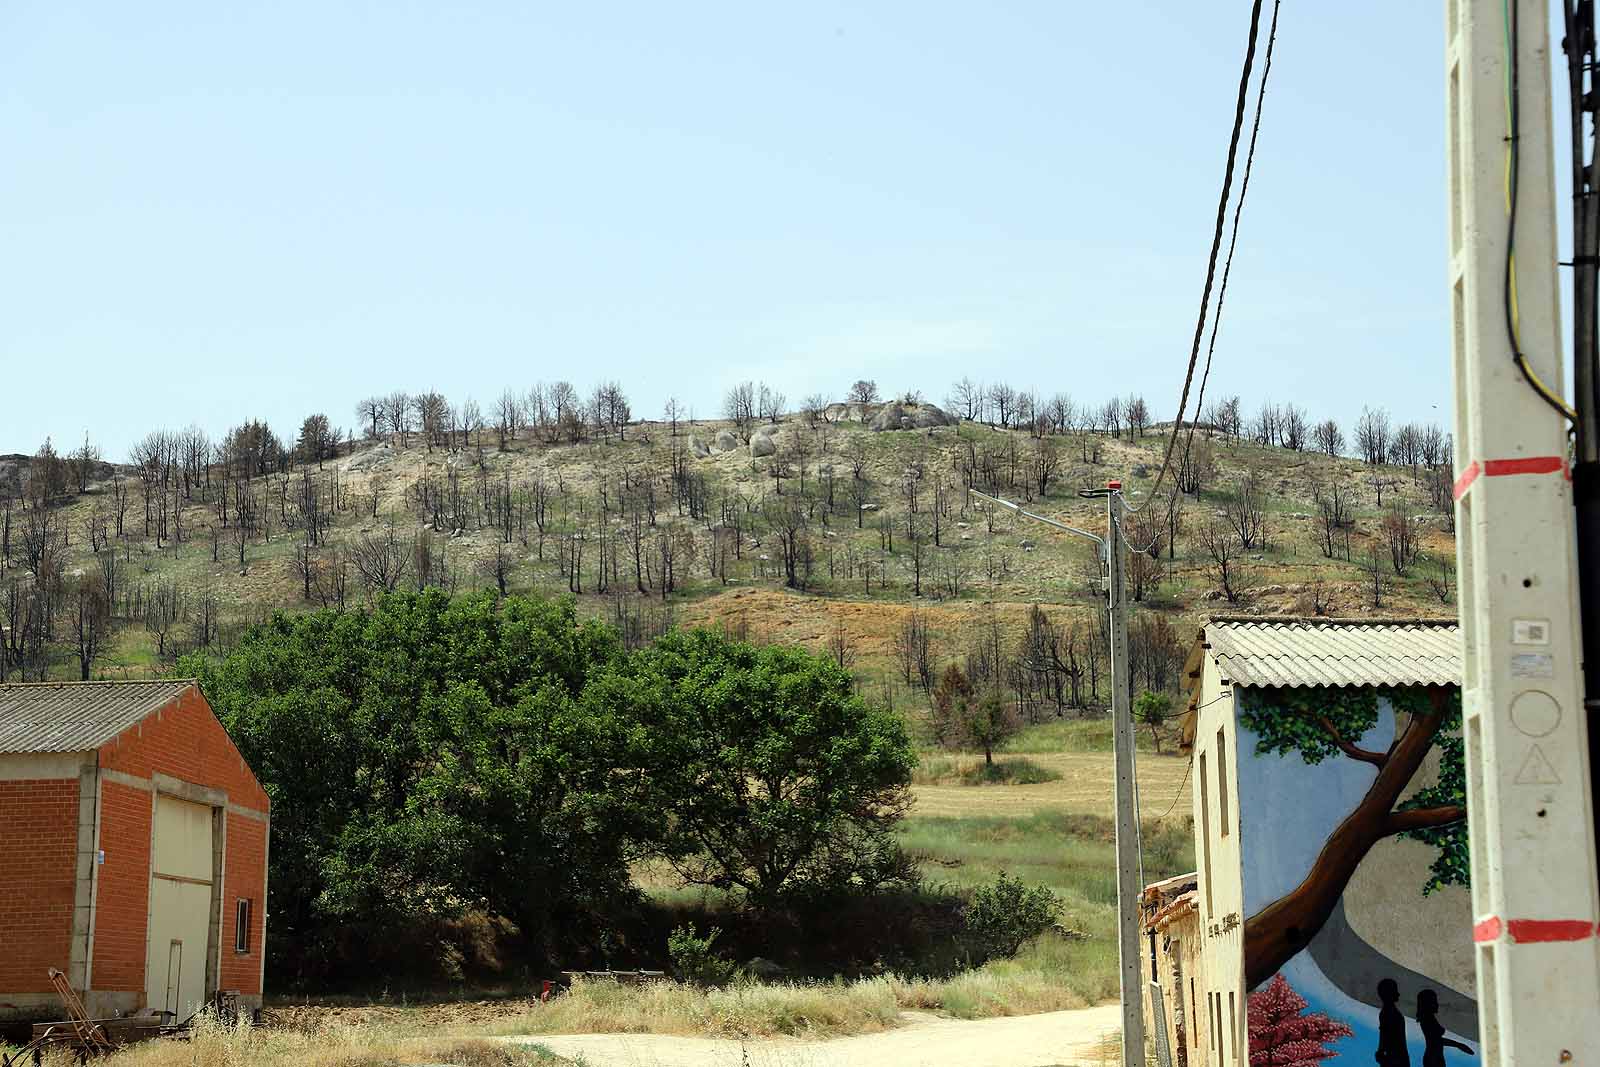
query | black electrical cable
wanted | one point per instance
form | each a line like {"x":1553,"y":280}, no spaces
{"x":1222,"y":289}
{"x":1233,"y":238}
{"x":1216,"y":248}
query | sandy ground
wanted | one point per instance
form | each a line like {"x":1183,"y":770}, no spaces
{"x":1069,"y":1038}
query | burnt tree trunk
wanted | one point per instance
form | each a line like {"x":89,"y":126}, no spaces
{"x":1278,"y":931}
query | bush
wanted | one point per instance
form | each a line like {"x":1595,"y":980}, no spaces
{"x":1018,"y":770}
{"x":1002,"y":917}
{"x":694,"y":959}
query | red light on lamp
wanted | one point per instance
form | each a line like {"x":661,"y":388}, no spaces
{"x":1113,"y":484}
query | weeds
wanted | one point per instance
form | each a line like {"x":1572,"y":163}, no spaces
{"x":946,"y":770}
{"x":396,"y":1044}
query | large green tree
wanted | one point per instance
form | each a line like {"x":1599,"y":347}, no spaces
{"x":1318,"y":724}
{"x":428,"y":756}
{"x":780,"y":779}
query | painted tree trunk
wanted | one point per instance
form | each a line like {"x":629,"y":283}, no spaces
{"x":1278,"y":931}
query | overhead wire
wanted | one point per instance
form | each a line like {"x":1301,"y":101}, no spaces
{"x":1216,"y":248}
{"x":1224,"y":695}
{"x":1178,"y":795}
{"x":1513,"y":315}
{"x":1233,"y":238}
{"x":1222,"y":288}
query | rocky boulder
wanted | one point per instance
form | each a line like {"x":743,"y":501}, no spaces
{"x":725,"y":442}
{"x":851,"y":412}
{"x":764,"y":442}
{"x":911,"y":417}
{"x":697,"y":447}
{"x":376,"y":458}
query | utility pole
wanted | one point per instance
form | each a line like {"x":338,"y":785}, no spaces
{"x":1128,"y":888}
{"x":1527,"y":776}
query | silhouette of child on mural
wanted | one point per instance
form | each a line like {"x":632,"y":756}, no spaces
{"x":1433,"y":1031}
{"x":1392,"y":1051}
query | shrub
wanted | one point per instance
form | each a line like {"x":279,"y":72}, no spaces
{"x":1017,"y":770}
{"x":694,"y":958}
{"x":1003,"y":916}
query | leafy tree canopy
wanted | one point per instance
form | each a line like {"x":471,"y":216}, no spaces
{"x":780,"y":779}
{"x":427,"y":756}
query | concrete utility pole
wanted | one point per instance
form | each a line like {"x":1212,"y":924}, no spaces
{"x":1527,"y":775}
{"x":1128,"y":887}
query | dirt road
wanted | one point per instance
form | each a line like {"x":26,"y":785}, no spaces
{"x":1071,"y":1038}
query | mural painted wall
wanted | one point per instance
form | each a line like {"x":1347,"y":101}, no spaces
{"x":1358,"y":928}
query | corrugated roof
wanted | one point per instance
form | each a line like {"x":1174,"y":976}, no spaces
{"x":76,"y":716}
{"x":1336,"y":652}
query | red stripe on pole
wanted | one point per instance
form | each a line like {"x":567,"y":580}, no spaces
{"x":1533,"y":930}
{"x":1494,"y":468}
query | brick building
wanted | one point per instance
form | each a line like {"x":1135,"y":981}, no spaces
{"x":133,"y":850}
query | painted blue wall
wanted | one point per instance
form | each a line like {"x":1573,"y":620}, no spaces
{"x":1287,"y":809}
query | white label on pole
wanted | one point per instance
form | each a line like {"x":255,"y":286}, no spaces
{"x":1530,"y":631}
{"x":1533,"y":665}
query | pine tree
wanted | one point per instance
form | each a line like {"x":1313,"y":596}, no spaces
{"x":1282,"y":1036}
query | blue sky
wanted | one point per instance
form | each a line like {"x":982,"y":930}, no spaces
{"x":217,"y":211}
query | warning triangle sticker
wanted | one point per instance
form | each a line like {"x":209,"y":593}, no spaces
{"x":1536,"y":770}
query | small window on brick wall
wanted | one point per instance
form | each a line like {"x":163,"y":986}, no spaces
{"x":241,"y":927}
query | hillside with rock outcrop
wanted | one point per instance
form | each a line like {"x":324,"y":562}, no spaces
{"x":849,"y":529}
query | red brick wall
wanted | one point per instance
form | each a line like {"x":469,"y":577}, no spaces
{"x":38,"y":861}
{"x":122,"y":898}
{"x":184,"y":739}
{"x":244,"y":875}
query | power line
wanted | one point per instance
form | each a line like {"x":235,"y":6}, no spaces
{"x":1216,"y":246}
{"x":1238,"y":209}
{"x":1190,"y":766}
{"x":1179,"y":794}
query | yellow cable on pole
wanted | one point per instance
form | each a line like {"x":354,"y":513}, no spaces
{"x":1513,"y":312}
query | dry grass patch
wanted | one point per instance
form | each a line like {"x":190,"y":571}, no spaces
{"x":334,"y":1045}
{"x":829,"y":1009}
{"x":1054,"y":973}
{"x":1084,"y":787}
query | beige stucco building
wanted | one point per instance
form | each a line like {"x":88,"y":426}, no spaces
{"x":1314,"y":742}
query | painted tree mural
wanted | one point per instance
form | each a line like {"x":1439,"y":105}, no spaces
{"x":1283,"y":1034}
{"x":1319,"y":724}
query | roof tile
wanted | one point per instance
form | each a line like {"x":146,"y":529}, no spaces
{"x":76,"y":716}
{"x":1313,"y":652}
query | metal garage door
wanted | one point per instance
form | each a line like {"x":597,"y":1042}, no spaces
{"x":180,"y":907}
